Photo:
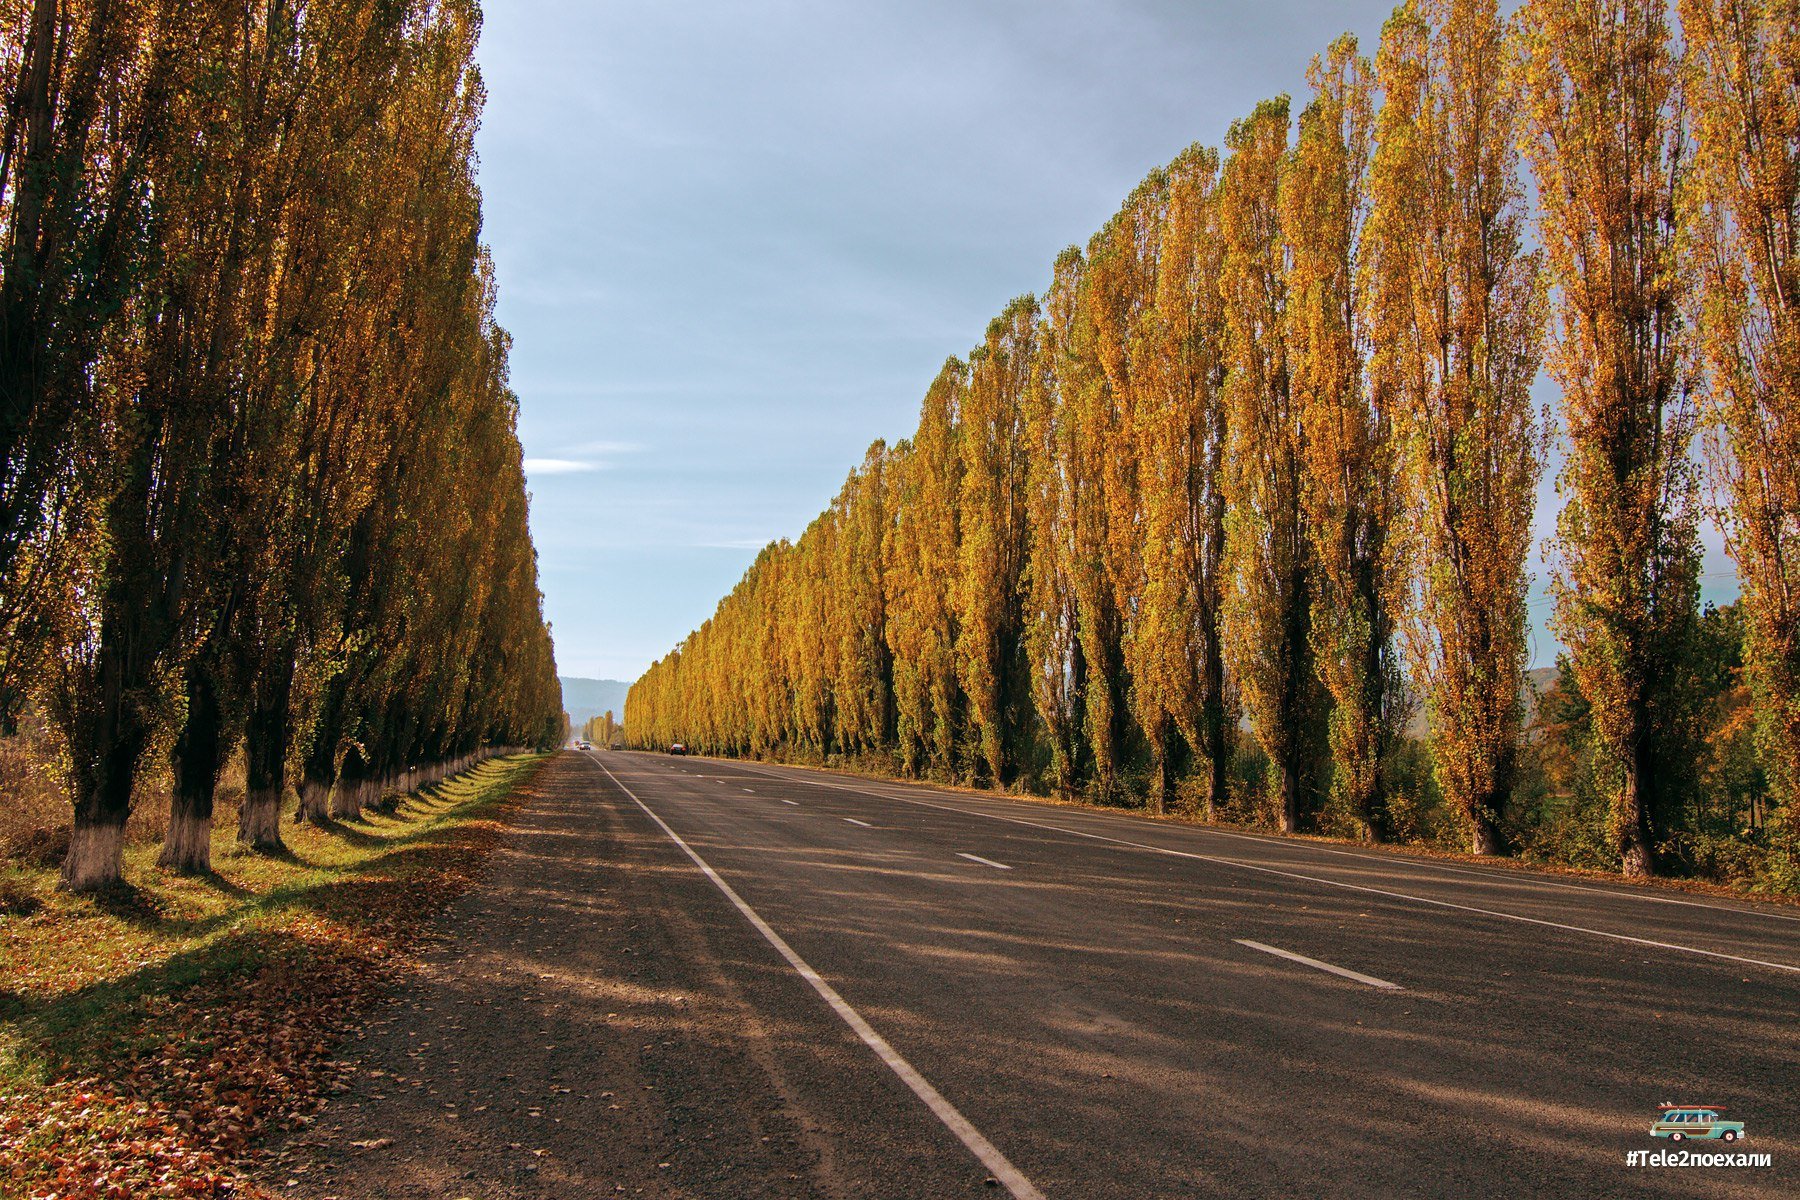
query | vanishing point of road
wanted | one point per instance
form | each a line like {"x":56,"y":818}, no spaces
{"x":697,"y":977}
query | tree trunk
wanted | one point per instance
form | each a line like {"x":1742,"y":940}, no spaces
{"x":1218,"y":751}
{"x":187,"y":845}
{"x":352,"y":786}
{"x":266,"y":739}
{"x":1290,"y":799}
{"x":94,"y":858}
{"x":1219,"y":778}
{"x":316,"y":781}
{"x":1485,"y":836}
{"x":315,"y":802}
{"x":1631,"y":829}
{"x":259,"y":821}
{"x":109,"y":735}
{"x":320,"y":771}
{"x":1064,"y":766}
{"x":1159,"y":774}
{"x":1484,"y":833}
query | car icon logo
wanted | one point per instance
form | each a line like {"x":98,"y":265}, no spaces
{"x":1700,"y":1122}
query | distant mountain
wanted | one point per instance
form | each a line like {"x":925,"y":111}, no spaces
{"x":585,"y":698}
{"x":1538,"y":680}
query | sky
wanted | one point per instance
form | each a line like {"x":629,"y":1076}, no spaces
{"x":735,"y":242}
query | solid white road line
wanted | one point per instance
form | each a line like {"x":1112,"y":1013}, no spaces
{"x":1336,"y":883}
{"x":854,"y":821}
{"x":1323,"y":966}
{"x":752,"y":791}
{"x":984,"y":861}
{"x":997,"y":1163}
{"x":795,"y":803}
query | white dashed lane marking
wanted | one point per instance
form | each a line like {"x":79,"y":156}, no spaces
{"x":986,"y":862}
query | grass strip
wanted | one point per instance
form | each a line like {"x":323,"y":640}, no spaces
{"x":147,"y":1037}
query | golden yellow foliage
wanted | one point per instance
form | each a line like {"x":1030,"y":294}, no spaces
{"x":1456,"y":314}
{"x":1055,"y":494}
{"x":1269,"y":558}
{"x":1602,"y":94}
{"x":1745,"y":205}
{"x":992,"y":510}
{"x":1347,"y":492}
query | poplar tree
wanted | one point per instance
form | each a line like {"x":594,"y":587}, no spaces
{"x":1120,"y":290}
{"x":991,"y":506}
{"x":1456,"y":313}
{"x":1347,"y":492}
{"x":1745,"y":203}
{"x":1270,"y":563}
{"x":1181,"y":443}
{"x":923,"y":553}
{"x":1054,"y":495}
{"x":864,"y":680}
{"x":1275,"y":417}
{"x":1102,"y":477}
{"x":223,"y":202}
{"x":428,"y":277}
{"x":804,"y":631}
{"x":769,"y":685}
{"x":170,"y":413}
{"x":283,"y":312}
{"x":1608,"y":146}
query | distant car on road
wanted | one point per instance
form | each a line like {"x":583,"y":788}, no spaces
{"x":583,"y":746}
{"x":1701,"y":1124}
{"x":677,"y":748}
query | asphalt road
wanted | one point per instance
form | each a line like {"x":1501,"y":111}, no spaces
{"x":964,"y":994}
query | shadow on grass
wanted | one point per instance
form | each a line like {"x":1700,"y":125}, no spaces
{"x":97,"y":1029}
{"x":143,"y":908}
{"x":224,"y":886}
{"x":126,"y":901}
{"x":286,"y":854}
{"x":17,"y":901}
{"x":354,"y":833}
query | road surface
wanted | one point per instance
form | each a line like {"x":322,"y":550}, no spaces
{"x":862,"y":989}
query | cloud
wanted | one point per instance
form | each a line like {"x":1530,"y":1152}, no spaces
{"x":605,"y":448}
{"x":558,"y":466}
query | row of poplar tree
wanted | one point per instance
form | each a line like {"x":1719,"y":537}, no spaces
{"x":261,"y":484}
{"x":1264,"y":457}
